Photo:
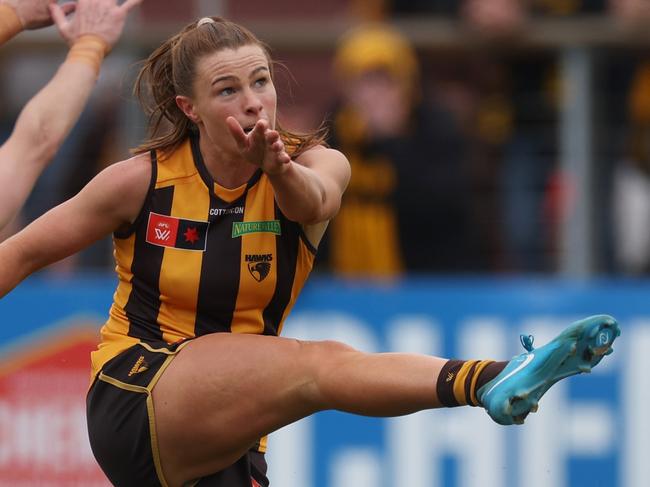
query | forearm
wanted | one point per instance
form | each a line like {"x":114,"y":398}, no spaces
{"x":48,"y":117}
{"x":300,"y":194}
{"x":10,"y":23}
{"x":12,"y":266}
{"x":16,"y":183}
{"x":308,"y":190}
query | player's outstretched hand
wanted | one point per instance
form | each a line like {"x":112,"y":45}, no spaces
{"x":34,"y":14}
{"x":103,"y":18}
{"x":262,"y":146}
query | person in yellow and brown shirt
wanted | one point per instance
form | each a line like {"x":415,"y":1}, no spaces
{"x":215,"y":222}
{"x":406,"y":208}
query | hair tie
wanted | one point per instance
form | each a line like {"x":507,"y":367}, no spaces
{"x":205,"y":20}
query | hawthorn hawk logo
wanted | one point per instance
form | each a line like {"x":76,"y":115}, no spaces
{"x":259,"y":265}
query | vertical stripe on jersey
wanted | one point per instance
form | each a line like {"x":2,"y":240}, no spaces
{"x":254,"y":295}
{"x":219,"y":282}
{"x":287,"y":259}
{"x":305,"y":262}
{"x":144,"y":300}
{"x":124,"y":258}
{"x":181,"y":268}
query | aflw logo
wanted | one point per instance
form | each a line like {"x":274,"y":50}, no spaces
{"x":162,"y":234}
{"x":259,"y":265}
{"x":179,"y":233}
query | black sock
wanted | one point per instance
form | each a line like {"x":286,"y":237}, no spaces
{"x":460,"y":379}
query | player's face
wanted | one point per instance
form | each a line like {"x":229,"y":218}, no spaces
{"x":233,"y":82}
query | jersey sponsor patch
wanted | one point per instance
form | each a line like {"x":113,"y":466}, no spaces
{"x":243,"y":228}
{"x":178,"y":233}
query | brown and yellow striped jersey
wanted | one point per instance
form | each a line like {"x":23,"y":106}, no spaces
{"x":201,"y":259}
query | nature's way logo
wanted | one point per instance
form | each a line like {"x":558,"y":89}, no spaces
{"x":243,"y":228}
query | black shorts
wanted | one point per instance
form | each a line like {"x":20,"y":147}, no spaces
{"x":121,"y":424}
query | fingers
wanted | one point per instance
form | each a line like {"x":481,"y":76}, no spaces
{"x":236,"y":131}
{"x":59,"y":17}
{"x":281,"y":155}
{"x":276,"y":145}
{"x":69,"y":7}
{"x":258,"y":141}
{"x":257,"y":134}
{"x":284,"y":158}
{"x":103,"y":18}
{"x":274,"y":141}
{"x":272,"y":136}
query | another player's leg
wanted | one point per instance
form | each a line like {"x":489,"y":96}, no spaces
{"x":516,"y":391}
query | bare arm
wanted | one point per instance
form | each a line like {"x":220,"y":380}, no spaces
{"x":109,"y":202}
{"x":47,"y":119}
{"x":39,"y":131}
{"x":309,"y":189}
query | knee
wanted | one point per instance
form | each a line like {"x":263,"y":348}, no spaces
{"x":323,"y":363}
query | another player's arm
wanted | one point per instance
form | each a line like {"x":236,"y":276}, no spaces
{"x":48,"y":118}
{"x":41,"y":128}
{"x":112,"y":200}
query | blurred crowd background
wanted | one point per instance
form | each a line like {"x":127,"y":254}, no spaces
{"x":485,"y":136}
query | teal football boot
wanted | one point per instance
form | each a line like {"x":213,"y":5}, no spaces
{"x":515,"y":392}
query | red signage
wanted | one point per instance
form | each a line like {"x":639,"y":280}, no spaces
{"x":43,"y":433}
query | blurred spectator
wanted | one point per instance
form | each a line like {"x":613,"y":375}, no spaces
{"x":495,"y":17}
{"x":631,"y":191}
{"x":505,"y":17}
{"x":507,"y":109}
{"x":531,"y":187}
{"x":517,"y":124}
{"x":406,"y":206}
{"x":631,"y":12}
